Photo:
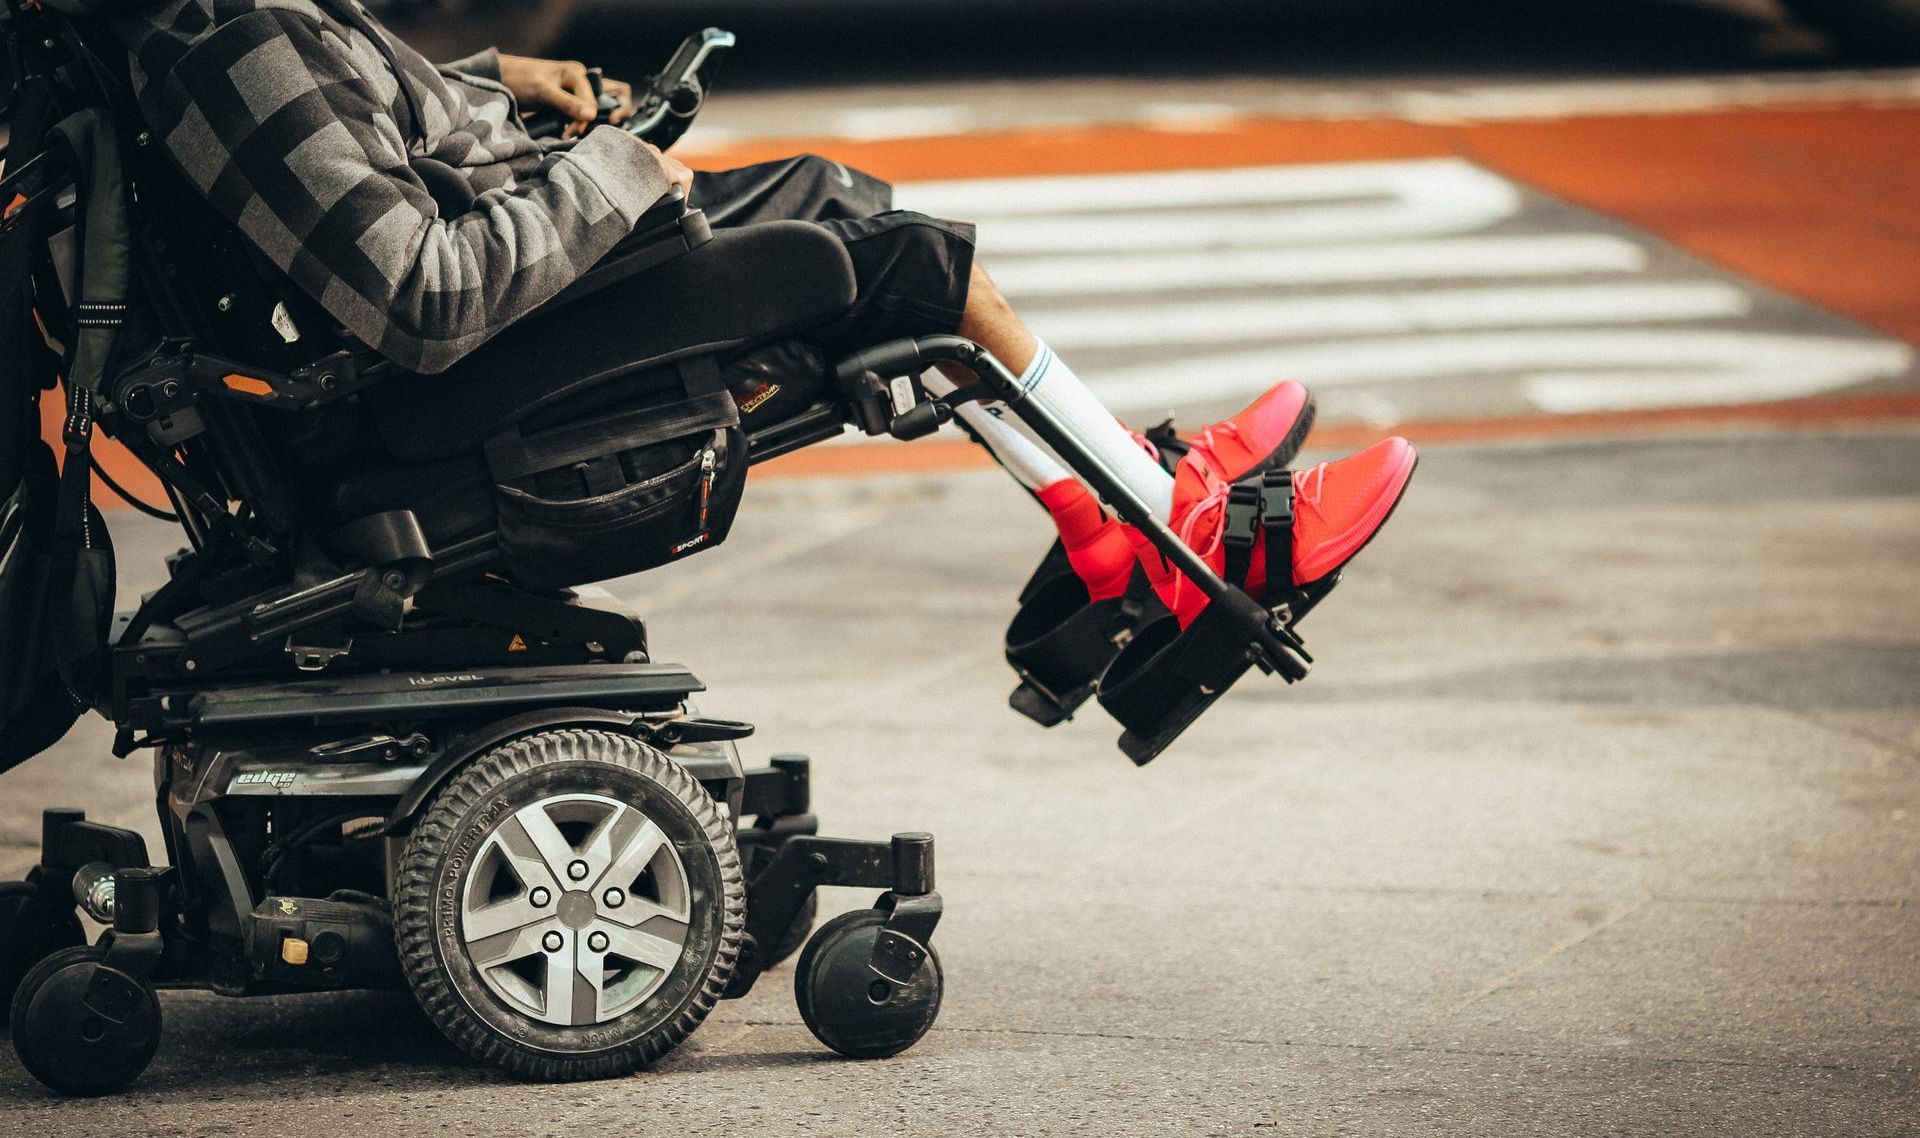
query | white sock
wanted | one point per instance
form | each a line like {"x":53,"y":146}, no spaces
{"x":1027,"y":459}
{"x":1049,"y":381}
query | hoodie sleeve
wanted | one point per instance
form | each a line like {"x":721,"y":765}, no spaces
{"x":484,"y":64}
{"x":272,"y":119}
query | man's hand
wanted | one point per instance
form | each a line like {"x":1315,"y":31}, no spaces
{"x":677,"y":172}
{"x":562,"y":87}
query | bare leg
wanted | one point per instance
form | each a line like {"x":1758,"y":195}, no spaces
{"x":991,"y":322}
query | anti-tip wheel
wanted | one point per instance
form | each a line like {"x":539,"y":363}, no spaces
{"x":851,"y":1008}
{"x":82,"y":1027}
{"x":30,"y":931}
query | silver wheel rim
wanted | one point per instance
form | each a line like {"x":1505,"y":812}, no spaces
{"x":577,"y":909}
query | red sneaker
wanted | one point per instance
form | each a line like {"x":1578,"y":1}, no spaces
{"x":1267,"y":432}
{"x":1338,"y":507}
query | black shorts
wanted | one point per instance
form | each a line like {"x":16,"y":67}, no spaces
{"x":910,"y":270}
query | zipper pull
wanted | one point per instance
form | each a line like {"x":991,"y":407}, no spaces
{"x":706,"y":484}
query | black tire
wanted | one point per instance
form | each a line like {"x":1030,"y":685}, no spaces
{"x":64,"y":1044}
{"x":445,"y":857}
{"x":850,"y":1008}
{"x":30,"y":931}
{"x":797,"y":932}
{"x":1878,"y":31}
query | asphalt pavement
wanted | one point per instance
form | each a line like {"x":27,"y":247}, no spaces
{"x":1597,"y":817}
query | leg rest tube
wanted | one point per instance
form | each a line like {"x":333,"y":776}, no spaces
{"x":1274,"y":643}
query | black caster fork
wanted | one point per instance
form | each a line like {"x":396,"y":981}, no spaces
{"x":86,"y":1020}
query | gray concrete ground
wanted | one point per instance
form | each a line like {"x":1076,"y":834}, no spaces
{"x":1598,"y":817}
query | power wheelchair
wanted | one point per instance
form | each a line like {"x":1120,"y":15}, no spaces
{"x":399,"y":739}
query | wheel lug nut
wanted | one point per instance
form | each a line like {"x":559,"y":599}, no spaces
{"x":614,"y":898}
{"x":597,"y":941}
{"x":540,"y":897}
{"x":552,"y":942}
{"x":577,"y":871}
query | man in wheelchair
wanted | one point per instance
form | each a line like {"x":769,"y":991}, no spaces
{"x":411,"y":365}
{"x":322,"y":138}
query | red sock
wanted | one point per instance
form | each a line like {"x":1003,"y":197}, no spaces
{"x":1097,"y":547}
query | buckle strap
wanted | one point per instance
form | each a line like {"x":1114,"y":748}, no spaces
{"x":1259,"y":509}
{"x":1242,"y":528}
{"x":1276,"y":524}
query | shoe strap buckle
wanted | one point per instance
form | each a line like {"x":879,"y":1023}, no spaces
{"x":1244,"y":511}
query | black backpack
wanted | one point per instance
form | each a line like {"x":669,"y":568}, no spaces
{"x":56,"y":562}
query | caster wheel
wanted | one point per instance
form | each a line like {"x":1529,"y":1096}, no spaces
{"x":847,"y":1005}
{"x":30,"y":931}
{"x":83,"y":1028}
{"x":570,"y":906}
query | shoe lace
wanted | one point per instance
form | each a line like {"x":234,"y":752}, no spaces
{"x":1215,"y":499}
{"x":1226,"y":428}
{"x":1308,"y":487}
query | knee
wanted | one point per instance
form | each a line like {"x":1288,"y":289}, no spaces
{"x":816,"y":168}
{"x":982,"y":294}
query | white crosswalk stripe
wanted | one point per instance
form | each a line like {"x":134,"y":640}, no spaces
{"x":1408,"y":288}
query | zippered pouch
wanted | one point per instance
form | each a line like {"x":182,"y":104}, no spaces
{"x":625,"y":512}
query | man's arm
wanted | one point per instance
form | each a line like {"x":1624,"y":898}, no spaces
{"x":271,"y":119}
{"x":484,"y":63}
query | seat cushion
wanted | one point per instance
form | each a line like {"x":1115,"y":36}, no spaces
{"x":745,"y":287}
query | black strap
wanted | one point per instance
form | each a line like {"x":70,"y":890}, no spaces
{"x":1260,"y":508}
{"x":511,"y":456}
{"x":1276,"y":522}
{"x":1242,"y":528}
{"x":105,"y":271}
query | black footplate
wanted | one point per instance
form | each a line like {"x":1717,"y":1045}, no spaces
{"x":1166,"y":678}
{"x":1060,"y":643}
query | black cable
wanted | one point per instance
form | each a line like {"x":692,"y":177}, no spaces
{"x":275,"y":855}
{"x":125,"y":496}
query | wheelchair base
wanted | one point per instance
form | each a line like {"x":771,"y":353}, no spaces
{"x":231,"y":916}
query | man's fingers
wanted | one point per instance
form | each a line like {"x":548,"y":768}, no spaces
{"x":573,"y":79}
{"x":580,"y":111}
{"x":623,"y":92}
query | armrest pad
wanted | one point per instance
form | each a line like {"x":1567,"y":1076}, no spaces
{"x":664,"y":232}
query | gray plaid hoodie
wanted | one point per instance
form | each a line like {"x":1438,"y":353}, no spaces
{"x":299,"y":128}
